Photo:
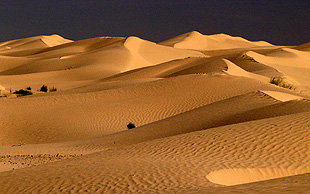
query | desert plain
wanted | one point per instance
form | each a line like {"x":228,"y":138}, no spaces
{"x":212,"y":114}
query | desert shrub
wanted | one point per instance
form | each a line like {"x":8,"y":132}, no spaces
{"x":43,"y":88}
{"x":52,"y":89}
{"x":131,"y":125}
{"x":279,"y":81}
{"x":28,"y":88}
{"x":22,"y":92}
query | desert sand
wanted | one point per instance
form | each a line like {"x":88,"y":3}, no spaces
{"x":207,"y":118}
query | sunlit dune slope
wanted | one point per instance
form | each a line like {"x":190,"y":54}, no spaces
{"x":192,"y":65}
{"x":37,"y":42}
{"x":117,"y":54}
{"x":207,"y":119}
{"x":296,"y":184}
{"x":67,"y":117}
{"x":72,"y":64}
{"x":178,"y":163}
{"x":197,"y":41}
{"x":291,"y":64}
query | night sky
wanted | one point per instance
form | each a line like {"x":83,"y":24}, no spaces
{"x":281,"y":22}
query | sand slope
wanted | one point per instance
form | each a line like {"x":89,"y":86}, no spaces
{"x":197,"y":41}
{"x":292,"y":64}
{"x":80,"y":61}
{"x":135,"y":53}
{"x":155,"y":166}
{"x":37,"y":42}
{"x":295,"y":184}
{"x":207,"y":119}
{"x":108,"y":111}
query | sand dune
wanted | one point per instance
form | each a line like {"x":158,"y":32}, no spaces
{"x":207,"y":119}
{"x":8,"y":62}
{"x":290,"y":62}
{"x":135,"y":53}
{"x":249,"y":64}
{"x":37,"y":42}
{"x":206,"y":65}
{"x":83,"y":60}
{"x":303,"y":47}
{"x":197,"y":41}
{"x":255,"y":106}
{"x":180,"y":167}
{"x":191,"y":65}
{"x":108,"y":111}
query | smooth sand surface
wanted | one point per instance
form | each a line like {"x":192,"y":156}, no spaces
{"x":207,"y":119}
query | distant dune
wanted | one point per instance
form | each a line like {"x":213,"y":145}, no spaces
{"x":207,"y":119}
{"x":197,"y":41}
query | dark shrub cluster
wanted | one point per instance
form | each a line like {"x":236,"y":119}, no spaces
{"x":27,"y":90}
{"x":131,"y":125}
{"x":43,"y":88}
{"x":279,"y":81}
{"x":22,"y":92}
{"x":52,"y":89}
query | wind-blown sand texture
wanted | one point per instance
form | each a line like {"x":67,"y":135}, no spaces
{"x":207,"y":119}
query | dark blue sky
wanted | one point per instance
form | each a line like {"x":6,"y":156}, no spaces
{"x":281,"y":22}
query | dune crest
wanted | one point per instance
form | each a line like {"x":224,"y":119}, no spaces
{"x":233,"y":69}
{"x":193,"y":114}
{"x":54,"y":40}
{"x":37,"y":42}
{"x":284,"y":97}
{"x":197,"y":41}
{"x":102,"y":52}
{"x":303,"y":47}
{"x":146,"y":53}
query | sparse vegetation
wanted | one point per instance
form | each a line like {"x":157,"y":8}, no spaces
{"x":279,"y":81}
{"x":52,"y":89}
{"x":22,"y":92}
{"x":43,"y":88}
{"x":131,"y":125}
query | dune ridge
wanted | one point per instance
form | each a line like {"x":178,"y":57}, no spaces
{"x":207,"y":119}
{"x":197,"y":41}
